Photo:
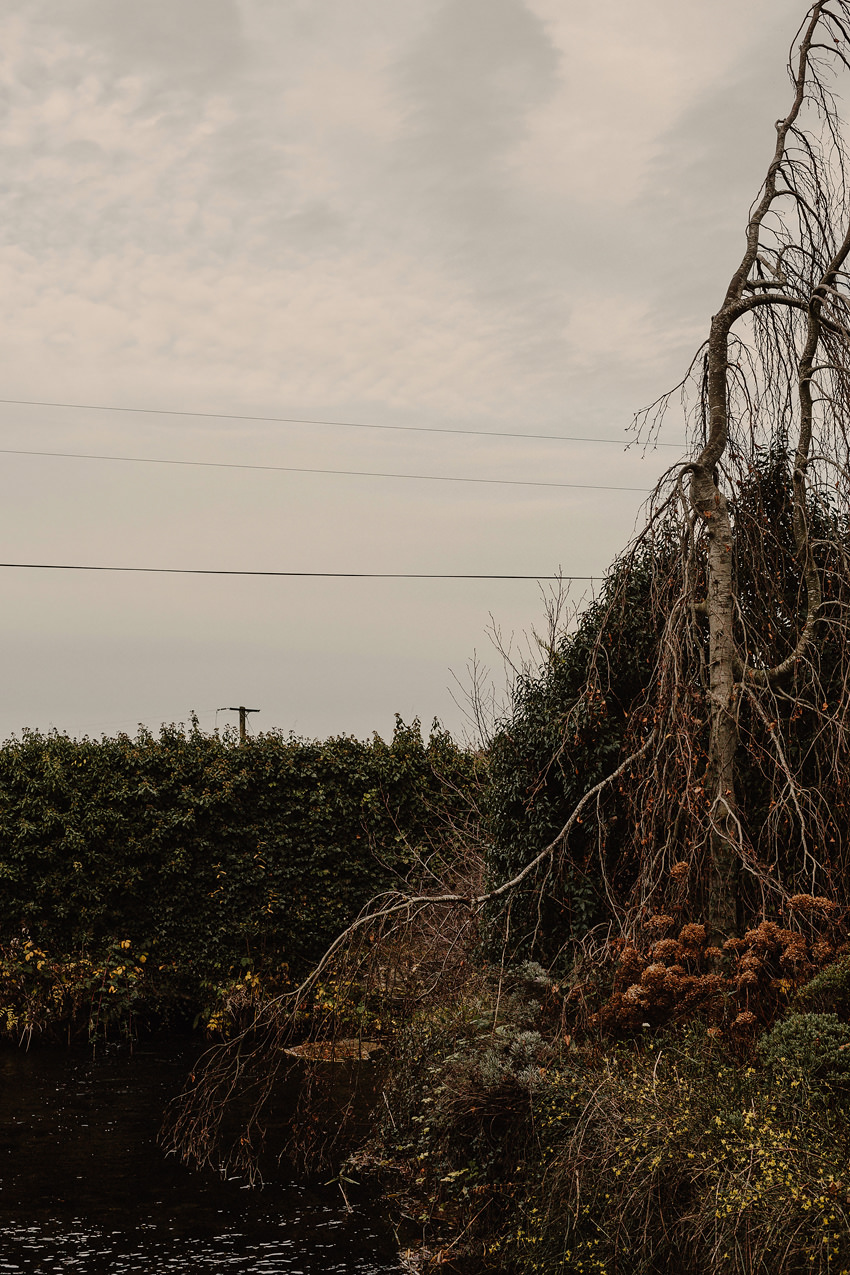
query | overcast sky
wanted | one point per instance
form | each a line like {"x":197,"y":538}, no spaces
{"x":482,"y":215}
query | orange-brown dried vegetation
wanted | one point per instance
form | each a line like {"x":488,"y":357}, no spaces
{"x":659,"y":978}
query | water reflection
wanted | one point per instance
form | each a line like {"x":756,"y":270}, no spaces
{"x":84,"y":1187}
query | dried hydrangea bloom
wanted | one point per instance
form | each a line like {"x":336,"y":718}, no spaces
{"x":654,"y":975}
{"x":660,"y":921}
{"x":811,"y":904}
{"x":665,"y":949}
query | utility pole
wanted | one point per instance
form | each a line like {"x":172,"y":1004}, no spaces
{"x":243,"y":719}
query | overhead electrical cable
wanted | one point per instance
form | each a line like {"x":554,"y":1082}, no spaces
{"x":300,"y":575}
{"x":304,"y":420}
{"x":301,"y":469}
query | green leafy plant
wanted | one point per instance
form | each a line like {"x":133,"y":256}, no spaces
{"x":816,"y":1046}
{"x":202,"y":854}
{"x":828,"y":991}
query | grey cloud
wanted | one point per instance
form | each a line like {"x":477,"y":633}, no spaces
{"x":200,"y":39}
{"x":195,"y":96}
{"x":468,"y":85}
{"x":709,"y":167}
{"x":472,"y":76}
{"x":95,"y":160}
{"x":672,"y":246}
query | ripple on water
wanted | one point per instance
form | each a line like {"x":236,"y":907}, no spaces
{"x":55,"y":1251}
{"x":84,"y":1187}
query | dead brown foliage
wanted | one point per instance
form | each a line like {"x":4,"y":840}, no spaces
{"x":744,"y":986}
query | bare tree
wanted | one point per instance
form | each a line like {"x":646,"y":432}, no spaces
{"x":772,"y":379}
{"x":737,"y":796}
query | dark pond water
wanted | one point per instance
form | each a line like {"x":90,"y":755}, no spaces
{"x":84,"y":1187}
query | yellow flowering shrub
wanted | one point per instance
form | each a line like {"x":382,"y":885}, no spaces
{"x":676,"y":1159}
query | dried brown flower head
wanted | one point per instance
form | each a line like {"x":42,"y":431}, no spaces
{"x":766,"y":934}
{"x":667,"y":949}
{"x":811,"y":904}
{"x":794,"y":954}
{"x":659,"y":921}
{"x":654,"y":975}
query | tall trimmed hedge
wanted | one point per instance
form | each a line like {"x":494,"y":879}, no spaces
{"x":203,"y":851}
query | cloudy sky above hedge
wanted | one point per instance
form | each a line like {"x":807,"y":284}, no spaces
{"x":510,"y":215}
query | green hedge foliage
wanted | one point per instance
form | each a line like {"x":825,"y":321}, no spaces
{"x":207,"y":855}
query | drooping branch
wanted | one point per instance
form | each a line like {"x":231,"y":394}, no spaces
{"x":393,"y":904}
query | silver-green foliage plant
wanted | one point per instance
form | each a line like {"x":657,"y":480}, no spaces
{"x":813,"y":1046}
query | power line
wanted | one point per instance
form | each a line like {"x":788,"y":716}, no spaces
{"x":302,"y":420}
{"x":299,"y":575}
{"x":298,"y":469}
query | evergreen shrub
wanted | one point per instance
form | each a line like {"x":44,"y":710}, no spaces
{"x":816,"y":1046}
{"x":209,"y":858}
